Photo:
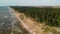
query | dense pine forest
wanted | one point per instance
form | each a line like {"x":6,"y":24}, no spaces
{"x":50,"y":16}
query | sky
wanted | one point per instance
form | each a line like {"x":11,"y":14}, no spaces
{"x":29,"y":2}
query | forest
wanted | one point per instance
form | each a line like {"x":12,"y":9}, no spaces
{"x":50,"y":16}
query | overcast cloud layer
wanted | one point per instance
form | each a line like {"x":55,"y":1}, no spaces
{"x":29,"y":2}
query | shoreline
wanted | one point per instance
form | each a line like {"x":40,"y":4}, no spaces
{"x":28,"y":29}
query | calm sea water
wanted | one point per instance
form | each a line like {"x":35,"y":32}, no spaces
{"x":4,"y":11}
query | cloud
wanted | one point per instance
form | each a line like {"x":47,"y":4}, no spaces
{"x":37,"y":2}
{"x":30,"y":2}
{"x":48,"y":2}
